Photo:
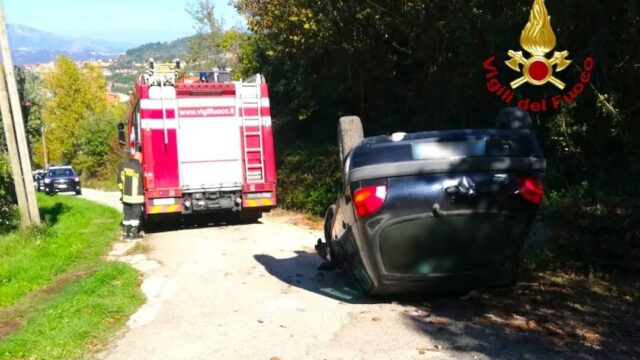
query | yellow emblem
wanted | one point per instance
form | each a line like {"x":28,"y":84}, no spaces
{"x":538,"y":39}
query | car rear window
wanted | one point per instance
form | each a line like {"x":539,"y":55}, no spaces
{"x":445,"y":145}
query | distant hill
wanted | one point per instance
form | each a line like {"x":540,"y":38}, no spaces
{"x":160,"y":51}
{"x":33,"y":46}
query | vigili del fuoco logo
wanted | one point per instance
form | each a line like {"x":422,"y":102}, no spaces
{"x":537,"y":68}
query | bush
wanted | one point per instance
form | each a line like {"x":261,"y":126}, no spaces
{"x":8,"y":211}
{"x":95,"y":153}
{"x":591,"y":230}
{"x":308,"y":180}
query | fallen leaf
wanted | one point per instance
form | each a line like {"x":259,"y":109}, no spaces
{"x":376,"y":319}
{"x":93,"y":343}
{"x":260,"y":322}
{"x":438,"y":320}
{"x":423,"y":350}
{"x":275,"y":358}
{"x":590,"y":337}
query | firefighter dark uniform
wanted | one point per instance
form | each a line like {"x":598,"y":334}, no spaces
{"x":130,"y":182}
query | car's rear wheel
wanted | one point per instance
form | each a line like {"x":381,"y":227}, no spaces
{"x":349,"y":135}
{"x":513,"y":118}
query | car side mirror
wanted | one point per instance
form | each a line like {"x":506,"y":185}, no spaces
{"x":122,"y":139}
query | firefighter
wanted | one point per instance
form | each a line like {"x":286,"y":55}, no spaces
{"x":130,"y":184}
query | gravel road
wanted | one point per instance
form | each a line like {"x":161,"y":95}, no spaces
{"x":254,"y":292}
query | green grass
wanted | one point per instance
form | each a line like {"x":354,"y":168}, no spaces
{"x":76,"y":234}
{"x":79,"y":319}
{"x":59,"y":297}
{"x":101,"y":184}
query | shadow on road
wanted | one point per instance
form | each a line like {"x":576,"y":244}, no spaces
{"x":302,"y":271}
{"x":547,"y":317}
{"x":172,"y":222}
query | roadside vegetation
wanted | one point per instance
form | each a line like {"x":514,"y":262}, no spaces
{"x":59,"y":298}
{"x":418,"y":67}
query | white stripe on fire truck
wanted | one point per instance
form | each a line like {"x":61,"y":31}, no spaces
{"x":155,"y":104}
{"x":155,"y":124}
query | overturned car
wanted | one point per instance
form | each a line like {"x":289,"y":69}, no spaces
{"x":434,"y":211}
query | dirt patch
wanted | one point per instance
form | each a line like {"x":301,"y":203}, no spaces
{"x":298,"y":219}
{"x":140,"y":247}
{"x":12,"y":317}
{"x":9,"y":327}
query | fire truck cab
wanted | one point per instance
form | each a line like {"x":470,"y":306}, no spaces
{"x":206,"y":143}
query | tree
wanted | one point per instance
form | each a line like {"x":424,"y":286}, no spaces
{"x":97,"y":157}
{"x":74,"y":94}
{"x":417,"y":65}
{"x":206,"y":45}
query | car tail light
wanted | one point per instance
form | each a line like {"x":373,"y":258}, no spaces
{"x":369,"y":199}
{"x":532,"y":189}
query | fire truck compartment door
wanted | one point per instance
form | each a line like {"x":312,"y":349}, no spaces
{"x":210,"y":153}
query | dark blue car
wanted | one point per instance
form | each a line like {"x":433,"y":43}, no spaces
{"x":433,"y":211}
{"x":62,"y":179}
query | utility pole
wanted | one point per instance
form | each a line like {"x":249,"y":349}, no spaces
{"x":24,"y":180}
{"x":16,"y":168}
{"x":44,"y":145}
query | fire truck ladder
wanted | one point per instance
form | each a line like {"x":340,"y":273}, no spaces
{"x":254,"y":170}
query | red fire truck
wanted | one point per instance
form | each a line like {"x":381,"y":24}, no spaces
{"x":206,"y":144}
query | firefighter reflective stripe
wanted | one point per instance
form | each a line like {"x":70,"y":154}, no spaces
{"x":258,"y":202}
{"x":161,"y":209}
{"x":133,"y":199}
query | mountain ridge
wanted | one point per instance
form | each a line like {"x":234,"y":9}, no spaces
{"x":33,"y":46}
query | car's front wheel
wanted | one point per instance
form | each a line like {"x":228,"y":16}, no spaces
{"x":79,"y":191}
{"x":329,"y":217}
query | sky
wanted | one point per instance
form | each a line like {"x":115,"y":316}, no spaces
{"x":128,"y":21}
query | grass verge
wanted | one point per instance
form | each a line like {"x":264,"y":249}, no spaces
{"x":75,"y":236}
{"x":59,"y":298}
{"x":79,"y":319}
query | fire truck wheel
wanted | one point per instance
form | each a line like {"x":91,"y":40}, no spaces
{"x":249,"y":216}
{"x":349,"y":135}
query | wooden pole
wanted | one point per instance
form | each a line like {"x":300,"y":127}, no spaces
{"x":44,"y":146}
{"x":18,"y":122}
{"x":14,"y":158}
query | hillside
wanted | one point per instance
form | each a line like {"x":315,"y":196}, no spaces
{"x":34,"y":46}
{"x":160,"y":51}
{"x":132,"y":63}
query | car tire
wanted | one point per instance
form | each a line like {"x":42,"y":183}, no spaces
{"x":513,"y":118}
{"x":329,"y":217}
{"x":79,"y":192}
{"x":349,"y":135}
